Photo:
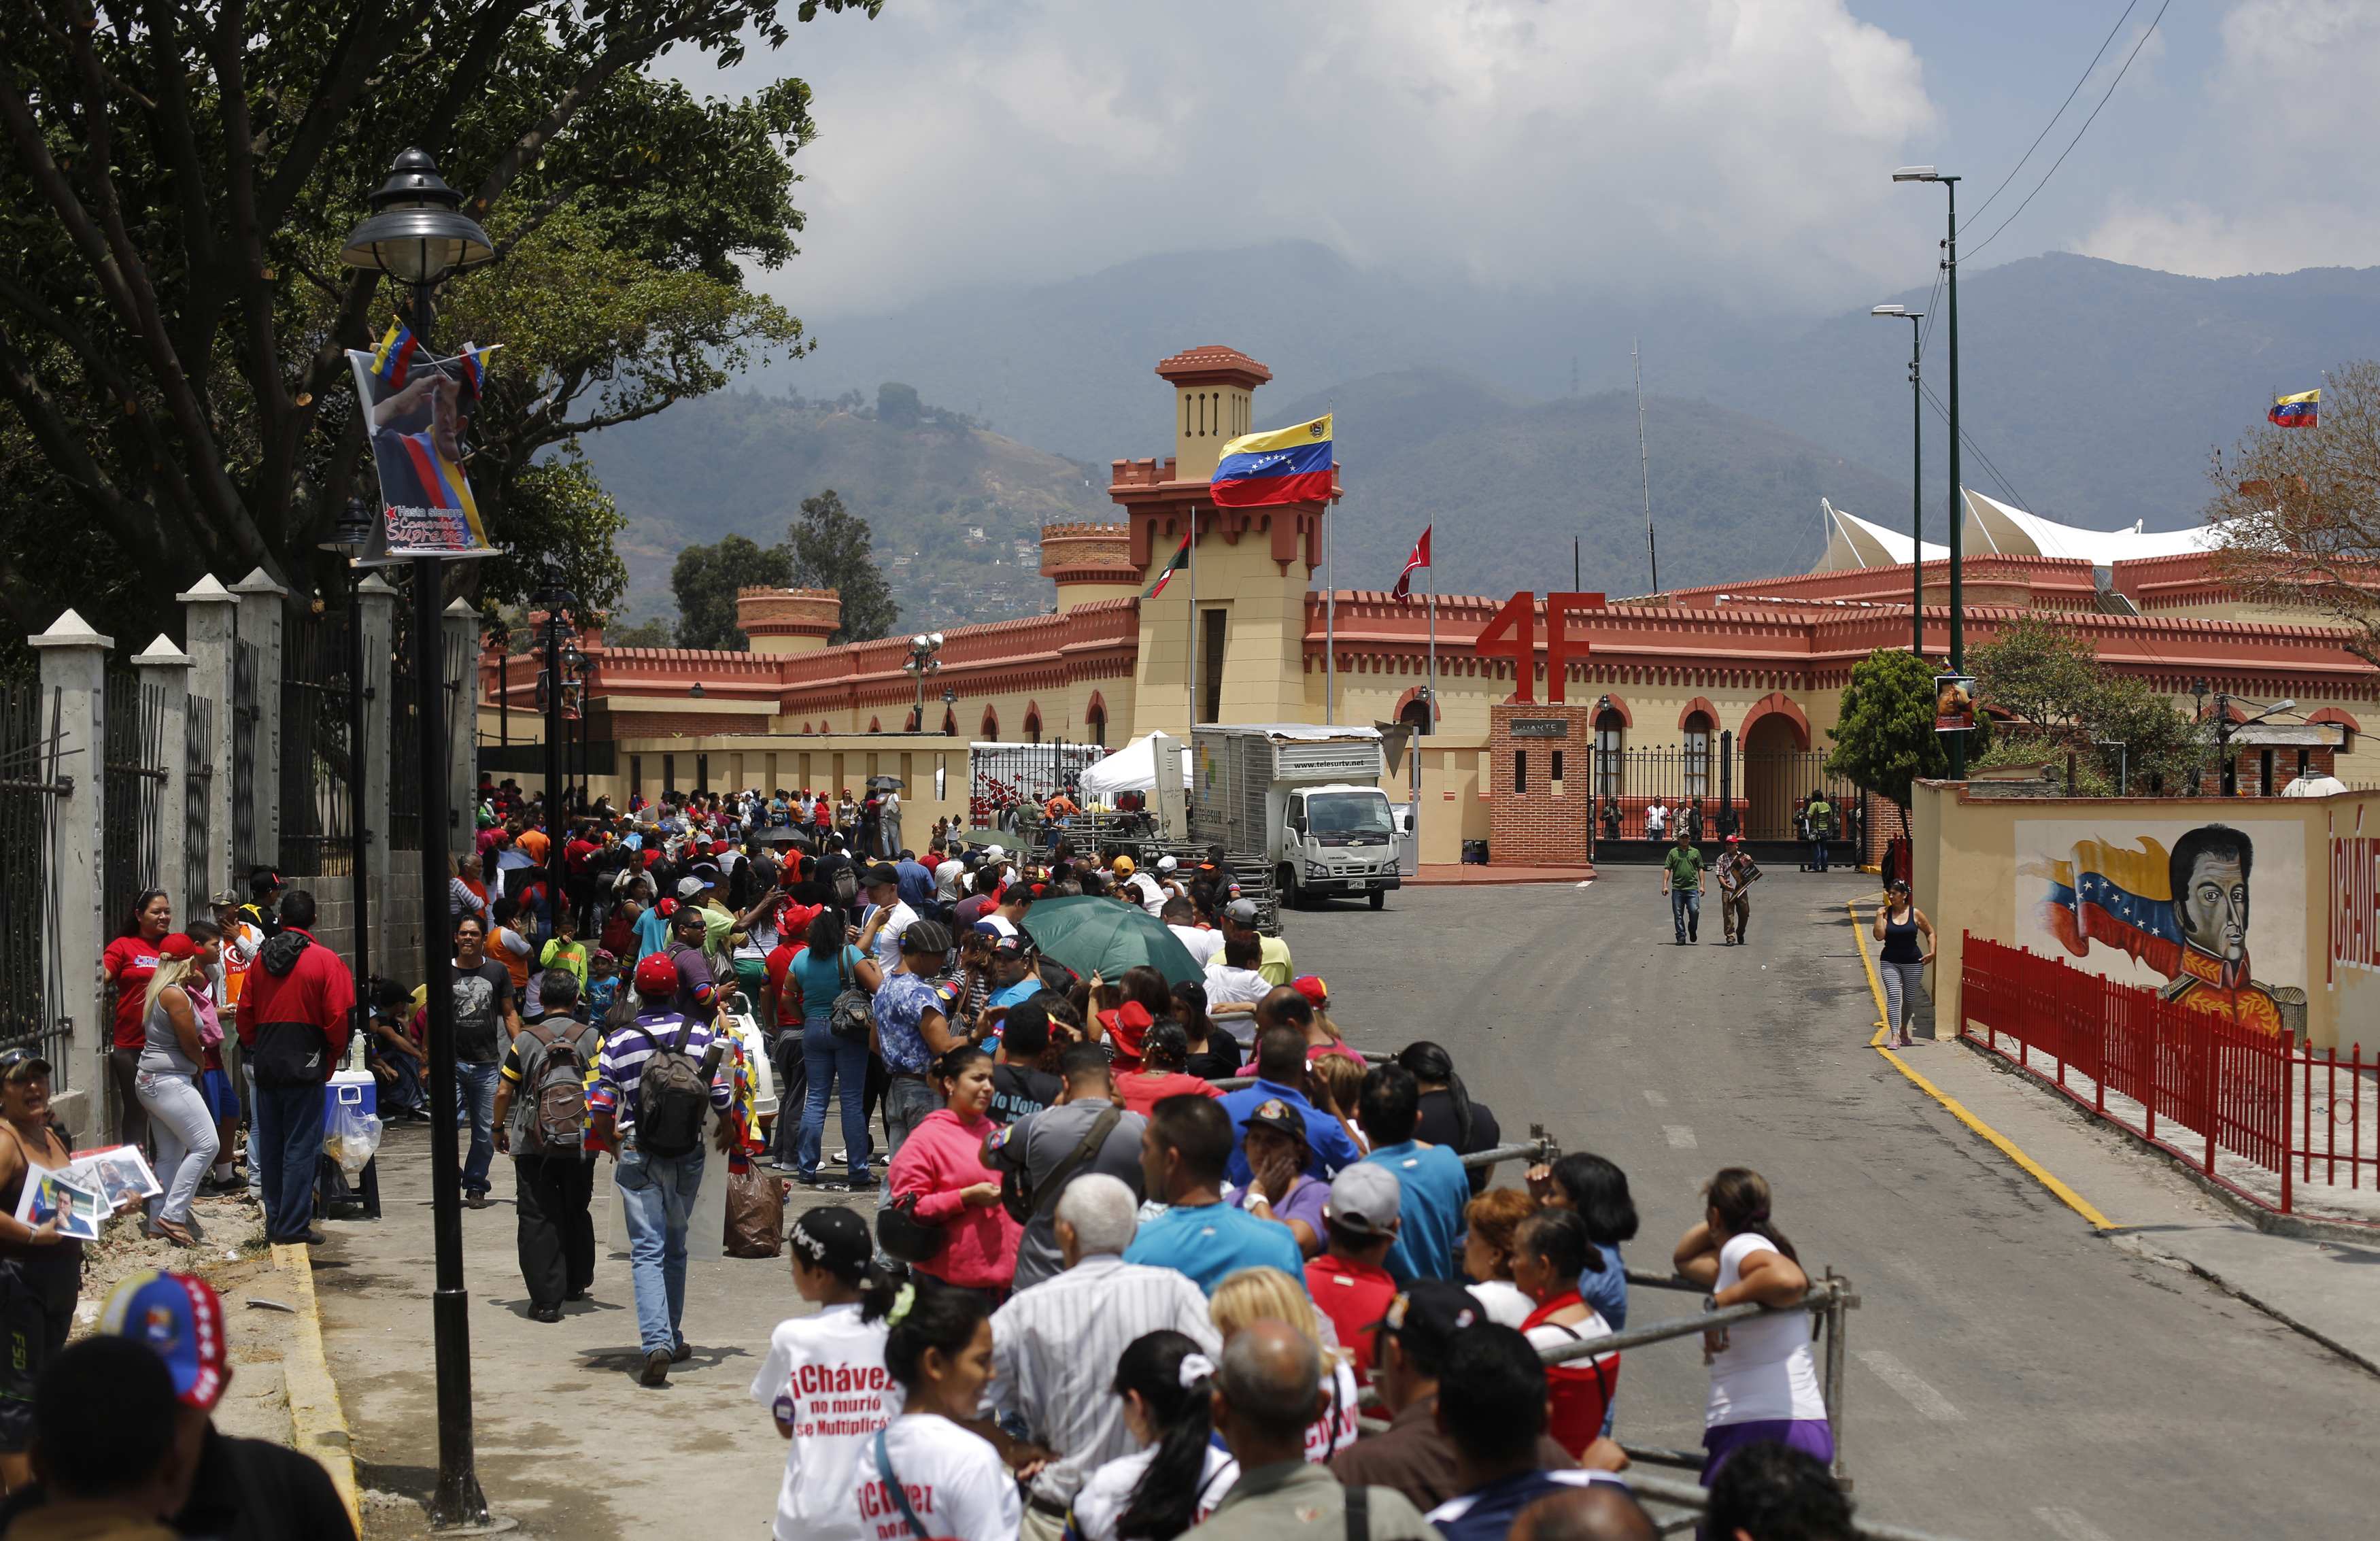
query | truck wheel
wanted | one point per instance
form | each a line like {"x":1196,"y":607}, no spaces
{"x":1379,"y":899}
{"x":1285,"y":883}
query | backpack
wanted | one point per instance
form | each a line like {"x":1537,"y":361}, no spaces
{"x":853,"y":1014}
{"x":674,"y":1094}
{"x":847,"y":886}
{"x":553,"y":1115}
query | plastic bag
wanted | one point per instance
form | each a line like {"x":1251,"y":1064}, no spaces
{"x":350,"y":1135}
{"x":755,"y":1213}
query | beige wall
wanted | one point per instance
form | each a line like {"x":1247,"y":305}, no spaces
{"x":1967,"y":881}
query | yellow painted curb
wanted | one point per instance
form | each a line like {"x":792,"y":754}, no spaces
{"x":317,"y":1425}
{"x":1958,"y":1110}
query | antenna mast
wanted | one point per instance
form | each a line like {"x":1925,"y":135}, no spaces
{"x":1652,"y":554}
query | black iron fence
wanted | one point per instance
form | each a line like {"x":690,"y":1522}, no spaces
{"x":32,"y":782}
{"x":405,"y":705}
{"x":134,"y":793}
{"x":318,"y":763}
{"x":198,"y":803}
{"x":1760,"y":794}
{"x":247,"y":669}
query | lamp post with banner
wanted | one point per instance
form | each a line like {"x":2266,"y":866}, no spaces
{"x":418,"y":236}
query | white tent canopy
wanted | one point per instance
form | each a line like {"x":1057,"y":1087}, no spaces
{"x":1130,"y":768}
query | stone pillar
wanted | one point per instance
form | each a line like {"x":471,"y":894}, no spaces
{"x":462,"y":725}
{"x":1536,"y":818}
{"x":376,"y":613}
{"x":261,"y":614}
{"x":74,"y":667}
{"x":167,"y":668}
{"x":210,"y":621}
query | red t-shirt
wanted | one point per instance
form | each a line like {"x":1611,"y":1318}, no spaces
{"x":1142,"y":1091}
{"x":129,"y":961}
{"x":781,"y":958}
{"x":578,"y":854}
{"x":1354,"y":1296}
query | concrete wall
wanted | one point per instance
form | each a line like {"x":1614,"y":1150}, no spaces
{"x":1985,"y":865}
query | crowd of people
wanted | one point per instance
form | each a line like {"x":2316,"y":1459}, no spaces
{"x":1143,"y":1249}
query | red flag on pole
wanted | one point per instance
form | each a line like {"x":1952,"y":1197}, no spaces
{"x":1403,"y":592}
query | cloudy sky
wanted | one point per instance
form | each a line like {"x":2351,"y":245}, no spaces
{"x":1735,"y":152}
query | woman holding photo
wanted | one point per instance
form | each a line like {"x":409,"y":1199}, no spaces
{"x":175,"y":1030}
{"x":41,"y":1271}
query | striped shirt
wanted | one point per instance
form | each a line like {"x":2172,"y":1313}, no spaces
{"x":620,"y":1065}
{"x":1054,"y":1348}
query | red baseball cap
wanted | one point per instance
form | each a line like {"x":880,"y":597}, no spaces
{"x":656,"y":977}
{"x":1127,"y":1024}
{"x":1311,"y":986}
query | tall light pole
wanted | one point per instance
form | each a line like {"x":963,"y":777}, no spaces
{"x":419,"y":235}
{"x":921,"y":661}
{"x":555,"y":598}
{"x":1916,"y":476}
{"x":1958,"y":493}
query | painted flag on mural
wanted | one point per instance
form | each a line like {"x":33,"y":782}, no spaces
{"x":1165,"y":576}
{"x":2297,"y":411}
{"x":1288,"y":464}
{"x":2118,"y":896}
{"x":1403,"y":592}
{"x":393,"y":357}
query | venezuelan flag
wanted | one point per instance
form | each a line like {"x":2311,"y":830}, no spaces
{"x":2297,"y":411}
{"x":475,"y":369}
{"x":2117,"y":896}
{"x":395,"y":356}
{"x":1288,"y":464}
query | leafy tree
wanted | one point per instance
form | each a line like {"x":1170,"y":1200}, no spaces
{"x":830,"y":550}
{"x":2039,"y":673}
{"x":896,"y":404}
{"x":2065,"y":702}
{"x":1886,"y":739}
{"x":705,"y":581}
{"x":2299,"y":509}
{"x":180,"y":177}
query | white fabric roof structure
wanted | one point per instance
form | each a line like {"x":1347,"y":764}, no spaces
{"x":1130,"y":768}
{"x":1993,"y":526}
{"x":1853,"y":543}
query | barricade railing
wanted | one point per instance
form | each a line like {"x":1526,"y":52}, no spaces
{"x":2197,"y":1084}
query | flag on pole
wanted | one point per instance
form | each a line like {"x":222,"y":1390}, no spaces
{"x":1288,"y":464}
{"x":395,"y":356}
{"x":2297,"y":411}
{"x":1403,"y":592}
{"x":1165,"y":575}
{"x":474,"y":359}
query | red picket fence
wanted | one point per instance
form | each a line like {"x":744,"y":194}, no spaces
{"x":2189,"y":1083}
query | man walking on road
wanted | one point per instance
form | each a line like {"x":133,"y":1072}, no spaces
{"x":1737,"y":872}
{"x":542,"y":1087}
{"x":1821,"y":815}
{"x":1681,"y":880}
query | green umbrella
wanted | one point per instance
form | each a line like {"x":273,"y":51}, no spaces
{"x":1105,"y":936}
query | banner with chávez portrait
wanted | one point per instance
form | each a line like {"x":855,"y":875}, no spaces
{"x":417,"y":411}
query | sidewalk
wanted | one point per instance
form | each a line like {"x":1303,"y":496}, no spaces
{"x":568,"y":1444}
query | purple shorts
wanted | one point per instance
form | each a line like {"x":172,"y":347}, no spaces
{"x":1812,"y":1437}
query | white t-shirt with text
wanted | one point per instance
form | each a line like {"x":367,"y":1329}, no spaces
{"x":956,"y":1481}
{"x":825,"y":1376}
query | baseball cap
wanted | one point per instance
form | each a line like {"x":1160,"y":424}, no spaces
{"x":180,"y":1319}
{"x":1311,"y":986}
{"x":227,"y":899}
{"x":178,"y":945}
{"x":1009,"y":947}
{"x":1735,"y":840}
{"x":833,"y":1238}
{"x":1241,"y":912}
{"x":1123,"y":866}
{"x":657,"y":976}
{"x":1364,"y":1198}
{"x":1125,"y":1024}
{"x":1282,"y":1119}
{"x":1427,"y":1314}
{"x":688,"y":888}
{"x":1166,"y":864}
{"x":883,"y":872}
{"x":18,"y":1063}
{"x":993,"y":853}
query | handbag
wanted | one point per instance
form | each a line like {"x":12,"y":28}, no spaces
{"x":1022,"y":1198}
{"x":852,"y":1017}
{"x":902,"y":1235}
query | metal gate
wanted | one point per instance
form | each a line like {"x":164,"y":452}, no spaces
{"x":32,"y":784}
{"x":132,"y":809}
{"x":246,"y":665}
{"x":1759,"y":794}
{"x":318,"y":765}
{"x":197,"y":805}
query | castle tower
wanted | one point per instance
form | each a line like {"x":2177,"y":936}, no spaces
{"x":1088,"y":561}
{"x":1246,"y":639}
{"x":788,"y":620}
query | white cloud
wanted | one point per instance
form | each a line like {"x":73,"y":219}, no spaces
{"x":1728,"y":144}
{"x":2272,"y":154}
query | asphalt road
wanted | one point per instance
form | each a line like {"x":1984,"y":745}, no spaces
{"x":2011,"y":1374}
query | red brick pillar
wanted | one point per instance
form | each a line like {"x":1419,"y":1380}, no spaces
{"x":1541,"y":788}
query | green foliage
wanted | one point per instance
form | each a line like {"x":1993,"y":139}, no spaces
{"x":830,"y":546}
{"x":172,"y":309}
{"x":2064,"y":701}
{"x":2040,"y":674}
{"x":896,"y":404}
{"x":1885,"y":740}
{"x":706,"y":579}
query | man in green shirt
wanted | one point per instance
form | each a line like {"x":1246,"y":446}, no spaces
{"x":1821,"y":814}
{"x":1681,"y":880}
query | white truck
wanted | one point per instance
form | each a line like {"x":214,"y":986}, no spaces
{"x":1303,"y":798}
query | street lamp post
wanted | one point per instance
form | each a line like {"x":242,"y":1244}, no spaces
{"x":921,"y":661}
{"x":1957,"y":494}
{"x":1916,"y":476}
{"x":419,"y":235}
{"x":555,"y":597}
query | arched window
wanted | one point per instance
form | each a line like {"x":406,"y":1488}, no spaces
{"x":1098,"y":722}
{"x":1610,"y":743}
{"x":991,"y":733}
{"x":1698,"y":755}
{"x":1033,"y":727}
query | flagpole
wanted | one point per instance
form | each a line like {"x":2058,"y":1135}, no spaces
{"x":1330,"y":624}
{"x":1193,"y":619}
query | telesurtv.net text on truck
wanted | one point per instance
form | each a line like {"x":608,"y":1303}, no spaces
{"x":1305,"y":797}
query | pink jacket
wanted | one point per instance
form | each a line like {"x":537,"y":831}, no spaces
{"x":942,"y":1155}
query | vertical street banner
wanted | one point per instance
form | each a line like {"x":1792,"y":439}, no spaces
{"x":417,"y":411}
{"x":1954,"y":703}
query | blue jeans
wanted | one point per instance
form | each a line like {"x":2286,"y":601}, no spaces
{"x":657,"y":1199}
{"x":1818,"y":854}
{"x":475,"y":1089}
{"x":1685,"y":912}
{"x":831,"y":1060}
{"x":286,"y":1135}
{"x":908,"y":1102}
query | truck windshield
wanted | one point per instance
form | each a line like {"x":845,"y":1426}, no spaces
{"x":1349,"y":817}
